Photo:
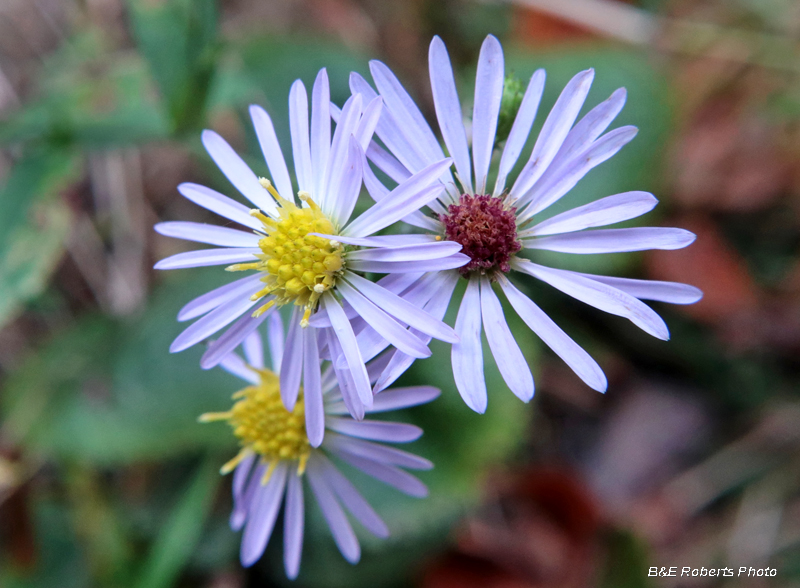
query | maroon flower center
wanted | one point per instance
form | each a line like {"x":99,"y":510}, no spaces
{"x":486,"y":230}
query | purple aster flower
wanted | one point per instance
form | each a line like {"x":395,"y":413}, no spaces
{"x":276,"y":455}
{"x":308,"y":252}
{"x":496,"y":224}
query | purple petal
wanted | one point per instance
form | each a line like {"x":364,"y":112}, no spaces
{"x":374,"y":430}
{"x":235,"y":365}
{"x":377,"y":452}
{"x":275,"y":335}
{"x":218,"y":296}
{"x":347,"y":340}
{"x":414,"y":252}
{"x":312,"y":389}
{"x":555,"y":338}
{"x":271,"y":150}
{"x":340,"y":155}
{"x":342,"y":532}
{"x":467,"y":355}
{"x":298,"y":123}
{"x":352,"y":499}
{"x":448,"y":110}
{"x":429,"y":265}
{"x":599,"y":295}
{"x":506,"y":352}
{"x":387,"y":474}
{"x":672,"y":292}
{"x":219,"y":204}
{"x":231,"y":339}
{"x":320,"y":130}
{"x":241,"y":475}
{"x":238,"y":172}
{"x":606,"y":211}
{"x":553,"y":132}
{"x":254,"y":350}
{"x":614,"y":240}
{"x":293,"y":525}
{"x":488,"y":94}
{"x":204,"y":233}
{"x":206,"y":257}
{"x":262,"y":516}
{"x":520,"y":129}
{"x":210,"y":323}
{"x":292,"y":361}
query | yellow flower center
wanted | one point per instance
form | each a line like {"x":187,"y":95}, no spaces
{"x":264,"y":426}
{"x":298,"y":267}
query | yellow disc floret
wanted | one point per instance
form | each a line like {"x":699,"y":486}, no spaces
{"x":264,"y":426}
{"x":298,"y":267}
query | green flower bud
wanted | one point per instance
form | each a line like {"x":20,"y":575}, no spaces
{"x":509,"y":106}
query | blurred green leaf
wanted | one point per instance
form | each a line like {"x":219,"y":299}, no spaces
{"x":178,"y":38}
{"x":33,"y":226}
{"x":90,"y":98}
{"x":180,"y":534}
{"x":626,"y":562}
{"x":87,"y":392}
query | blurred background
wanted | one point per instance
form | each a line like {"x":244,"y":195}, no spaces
{"x":692,"y":458}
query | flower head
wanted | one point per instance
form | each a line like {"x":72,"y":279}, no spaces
{"x":309,"y":252}
{"x":276,"y":456}
{"x":498,"y":225}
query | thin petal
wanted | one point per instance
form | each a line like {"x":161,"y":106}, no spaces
{"x":520,"y":130}
{"x":204,"y":233}
{"x":293,"y":525}
{"x":312,"y":389}
{"x":599,"y":295}
{"x":374,"y":430}
{"x":206,"y":257}
{"x":409,"y":196}
{"x":320,"y":129}
{"x":390,"y":267}
{"x":341,"y":156}
{"x":271,"y":149}
{"x":555,"y":338}
{"x":218,"y":296}
{"x":298,"y":124}
{"x":467,"y":354}
{"x":352,"y":500}
{"x":275,"y":336}
{"x":390,"y":241}
{"x":377,"y":452}
{"x":546,"y":193}
{"x":672,"y":292}
{"x":219,"y":204}
{"x":488,"y":94}
{"x":240,"y":478}
{"x":385,"y":325}
{"x":554,"y":131}
{"x":347,"y":340}
{"x":233,"y":364}
{"x":340,"y":528}
{"x":393,"y":476}
{"x":231,"y":339}
{"x":292,"y":361}
{"x":254,"y":350}
{"x":606,"y":211}
{"x":347,"y":388}
{"x":506,"y":352}
{"x":414,"y":252}
{"x":448,"y":110}
{"x":349,"y":188}
{"x":238,"y":172}
{"x":401,"y":309}
{"x":210,"y":323}
{"x":262,"y":517}
{"x":614,"y":240}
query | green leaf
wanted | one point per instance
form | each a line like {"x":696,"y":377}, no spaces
{"x":33,"y":227}
{"x":626,"y":562}
{"x":179,"y":40}
{"x":176,"y":542}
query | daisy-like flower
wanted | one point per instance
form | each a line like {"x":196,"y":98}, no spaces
{"x":276,"y":455}
{"x":496,"y":224}
{"x":294,"y":264}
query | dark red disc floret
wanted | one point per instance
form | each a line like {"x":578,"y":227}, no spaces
{"x":486,"y":230}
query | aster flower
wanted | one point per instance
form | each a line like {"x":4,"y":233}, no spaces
{"x":276,"y":455}
{"x":496,"y":224}
{"x":294,"y":262}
